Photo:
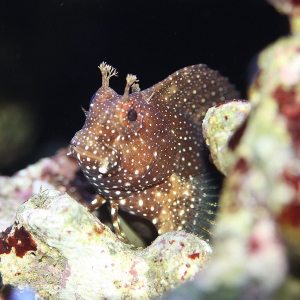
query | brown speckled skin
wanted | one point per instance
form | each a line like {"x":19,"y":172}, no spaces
{"x":143,"y":152}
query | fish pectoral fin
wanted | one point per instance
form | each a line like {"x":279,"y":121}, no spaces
{"x":203,"y":204}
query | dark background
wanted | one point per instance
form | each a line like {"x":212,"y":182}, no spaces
{"x":50,"y":50}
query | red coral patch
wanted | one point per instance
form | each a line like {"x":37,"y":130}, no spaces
{"x":194,"y":256}
{"x":21,"y":240}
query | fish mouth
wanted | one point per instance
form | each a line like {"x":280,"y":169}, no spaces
{"x":78,"y":150}
{"x":90,"y":160}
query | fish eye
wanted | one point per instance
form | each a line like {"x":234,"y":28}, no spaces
{"x":132,"y":115}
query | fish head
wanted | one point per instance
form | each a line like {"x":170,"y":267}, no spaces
{"x":125,"y":144}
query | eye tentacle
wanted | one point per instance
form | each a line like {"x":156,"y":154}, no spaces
{"x":107,"y":72}
{"x":130,"y":80}
{"x":135,"y":88}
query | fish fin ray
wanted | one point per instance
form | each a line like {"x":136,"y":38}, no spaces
{"x":203,"y":204}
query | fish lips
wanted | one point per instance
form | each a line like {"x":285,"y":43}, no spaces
{"x":93,"y":164}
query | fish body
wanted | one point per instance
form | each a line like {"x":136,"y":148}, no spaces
{"x":144,"y":153}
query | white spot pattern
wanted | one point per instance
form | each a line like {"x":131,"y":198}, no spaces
{"x":142,"y":156}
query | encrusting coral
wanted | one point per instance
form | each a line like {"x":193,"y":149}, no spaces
{"x":57,"y":172}
{"x":221,"y":127}
{"x":60,"y":250}
{"x":256,"y":243}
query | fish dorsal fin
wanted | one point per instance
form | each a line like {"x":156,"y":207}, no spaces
{"x":193,"y":89}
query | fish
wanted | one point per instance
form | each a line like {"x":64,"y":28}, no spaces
{"x":144,"y":153}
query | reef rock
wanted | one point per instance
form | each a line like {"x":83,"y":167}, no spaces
{"x":60,"y":250}
{"x":221,"y":127}
{"x":257,"y":240}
